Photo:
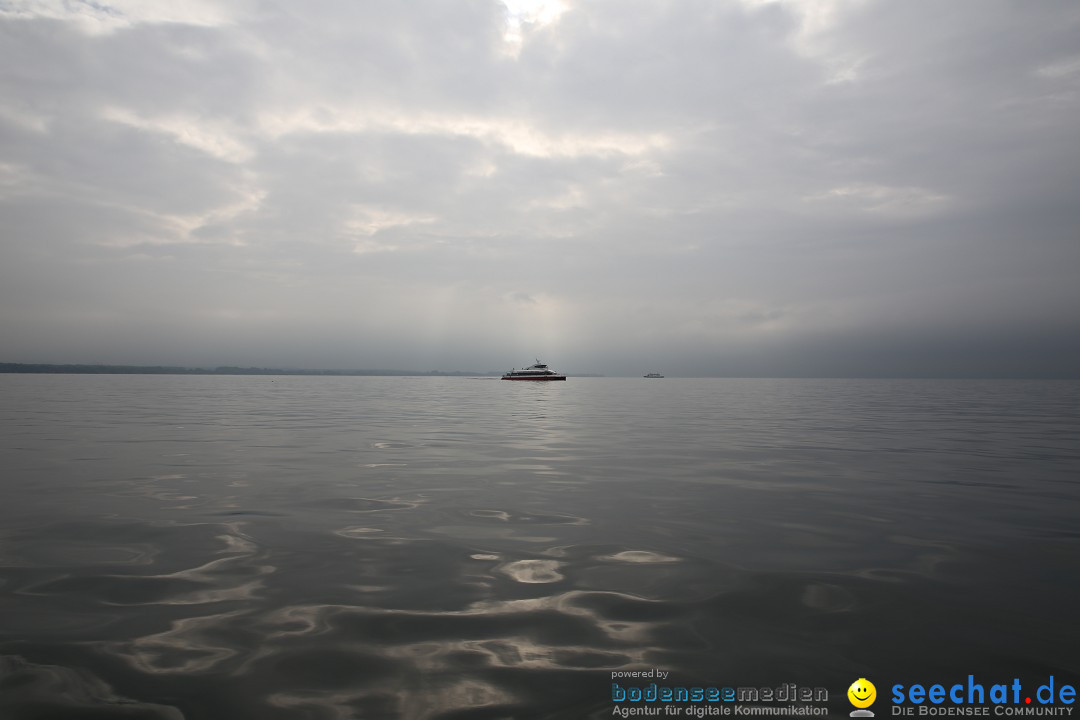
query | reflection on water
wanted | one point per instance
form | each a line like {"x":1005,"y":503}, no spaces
{"x":235,"y":547}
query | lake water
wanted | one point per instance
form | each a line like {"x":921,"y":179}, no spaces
{"x":376,"y":547}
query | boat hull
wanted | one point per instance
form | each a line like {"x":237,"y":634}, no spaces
{"x":547,"y":378}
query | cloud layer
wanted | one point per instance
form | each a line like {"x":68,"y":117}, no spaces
{"x":754,"y":187}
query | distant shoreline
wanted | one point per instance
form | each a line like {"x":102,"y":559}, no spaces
{"x":81,"y":369}
{"x":44,"y":368}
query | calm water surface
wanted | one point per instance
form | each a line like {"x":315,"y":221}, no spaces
{"x":316,"y":547}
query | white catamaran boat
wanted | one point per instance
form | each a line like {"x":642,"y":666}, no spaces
{"x":539,"y":371}
{"x":654,"y":375}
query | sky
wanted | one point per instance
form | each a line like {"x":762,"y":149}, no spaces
{"x":703,"y":187}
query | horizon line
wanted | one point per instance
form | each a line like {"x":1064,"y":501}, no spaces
{"x":10,"y":368}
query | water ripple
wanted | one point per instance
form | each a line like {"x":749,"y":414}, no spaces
{"x":429,"y":548}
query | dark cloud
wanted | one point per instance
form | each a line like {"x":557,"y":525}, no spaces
{"x":829,"y":187}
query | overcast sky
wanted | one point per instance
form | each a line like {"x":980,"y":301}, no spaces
{"x":740,"y":187}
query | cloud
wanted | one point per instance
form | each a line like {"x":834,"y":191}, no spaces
{"x":103,"y":18}
{"x":722,"y":185}
{"x":881,"y":199}
{"x":194,"y":132}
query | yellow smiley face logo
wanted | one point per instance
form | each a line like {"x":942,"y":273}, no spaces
{"x":862,"y":693}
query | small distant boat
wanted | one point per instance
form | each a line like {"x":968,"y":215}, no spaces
{"x":539,"y":371}
{"x":653,"y":375}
